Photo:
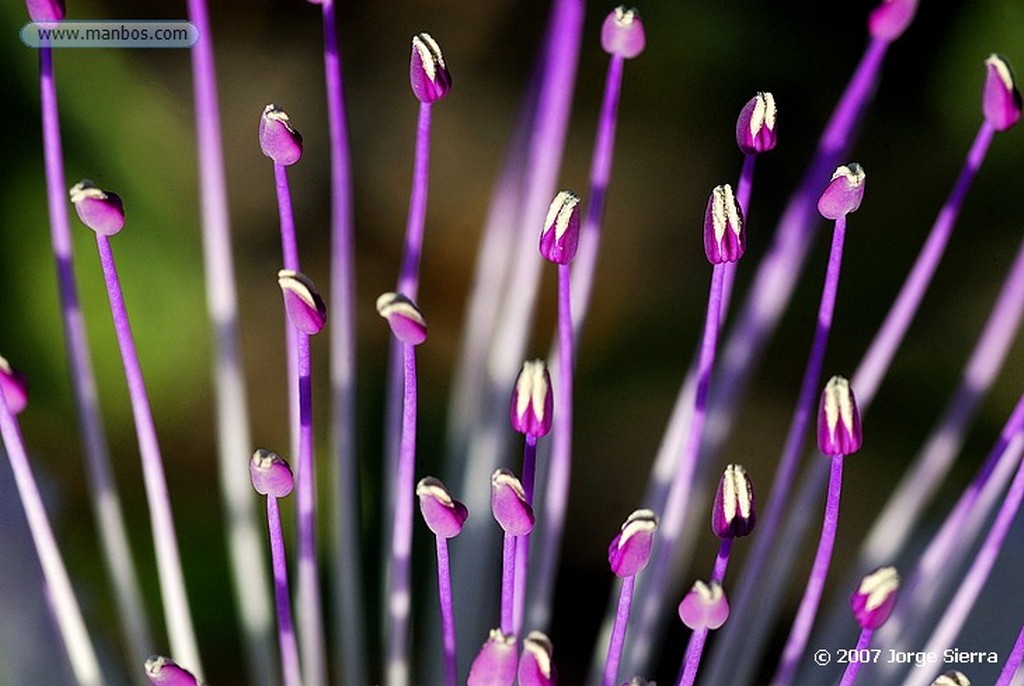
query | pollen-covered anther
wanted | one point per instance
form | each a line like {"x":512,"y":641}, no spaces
{"x":623,"y":33}
{"x":163,"y":671}
{"x":14,"y":387}
{"x":725,"y":238}
{"x":1001,"y":101}
{"x":844,"y":192}
{"x":496,"y":663}
{"x":404,"y":318}
{"x":755,"y":127}
{"x":428,"y":74}
{"x":306,"y":309}
{"x":704,"y":607}
{"x":45,"y":10}
{"x":102,"y":211}
{"x":630,"y":550}
{"x":536,"y":667}
{"x":890,"y":19}
{"x":532,"y":404}
{"x":270,"y":474}
{"x":733,"y":514}
{"x":508,"y":504}
{"x":638,"y":681}
{"x":839,"y":430}
{"x":278,"y":138}
{"x":952,"y":678}
{"x":443,"y":514}
{"x":873,"y":600}
{"x":560,"y":236}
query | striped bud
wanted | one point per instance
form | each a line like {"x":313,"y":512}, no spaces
{"x":725,"y":239}
{"x":508,"y":504}
{"x":733,"y":514}
{"x":630,"y":550}
{"x":428,"y":74}
{"x":270,"y":474}
{"x":839,"y":430}
{"x":755,"y":127}
{"x":560,"y":237}
{"x":101,"y":211}
{"x":1001,"y":101}
{"x":873,"y":600}
{"x":443,"y":514}
{"x":532,"y":404}
{"x":306,"y":309}
{"x":404,"y":318}
{"x":536,"y":667}
{"x":278,"y":139}
{"x":843,"y":193}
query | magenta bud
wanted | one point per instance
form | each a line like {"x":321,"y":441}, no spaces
{"x":163,"y":671}
{"x":755,"y":128}
{"x":14,"y":387}
{"x":733,"y":514}
{"x":270,"y":474}
{"x":532,"y":404}
{"x":45,"y":10}
{"x":404,"y":318}
{"x":725,"y":239}
{"x":839,"y":431}
{"x":952,"y":678}
{"x":630,"y":550}
{"x":560,"y":237}
{"x":428,"y":74}
{"x":306,"y":309}
{"x":495,"y":664}
{"x":1001,"y":101}
{"x":844,"y":192}
{"x":622,"y":33}
{"x":873,"y":600}
{"x":536,"y":667}
{"x":704,"y":607}
{"x":443,"y":514}
{"x":278,"y":139}
{"x":890,"y":19}
{"x":638,"y":681}
{"x":101,"y":211}
{"x":508,"y":504}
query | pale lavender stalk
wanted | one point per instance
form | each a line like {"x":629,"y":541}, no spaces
{"x":508,"y":583}
{"x":290,"y":253}
{"x":618,"y":638}
{"x":1013,"y":661}
{"x":628,"y":554}
{"x":695,"y":646}
{"x":444,"y":588}
{"x":853,"y":666}
{"x":523,"y":542}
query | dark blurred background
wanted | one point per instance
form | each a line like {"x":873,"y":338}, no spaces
{"x":127,"y":123}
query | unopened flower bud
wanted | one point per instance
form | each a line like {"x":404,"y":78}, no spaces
{"x":952,"y":678}
{"x":443,"y":514}
{"x":630,"y":550}
{"x":45,"y":10}
{"x":278,"y":139}
{"x":508,"y":504}
{"x":622,"y":33}
{"x":560,"y":237}
{"x":755,"y":127}
{"x":638,"y":681}
{"x":404,"y":318}
{"x":704,"y":607}
{"x":532,"y":404}
{"x":1001,"y":101}
{"x":890,"y":19}
{"x":536,"y":667}
{"x":101,"y":211}
{"x":14,"y":387}
{"x":306,"y":309}
{"x":725,"y":238}
{"x":495,"y":664}
{"x":163,"y":671}
{"x":843,"y":193}
{"x":839,"y":430}
{"x":733,"y":514}
{"x":873,"y":600}
{"x":270,"y":473}
{"x":428,"y":74}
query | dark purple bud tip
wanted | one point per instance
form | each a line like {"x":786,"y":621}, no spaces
{"x":45,"y":10}
{"x":306,"y":309}
{"x":495,"y":664}
{"x":1001,"y":100}
{"x":14,"y":387}
{"x":839,"y":431}
{"x":622,"y":33}
{"x":843,"y":193}
{"x":508,"y":504}
{"x":404,"y":318}
{"x":755,"y":128}
{"x":560,"y":237}
{"x":536,"y":667}
{"x":704,"y":607}
{"x":725,"y":239}
{"x":952,"y":678}
{"x":890,"y":19}
{"x":270,"y":474}
{"x":532,"y":404}
{"x":443,"y":514}
{"x":733,"y":514}
{"x":873,"y":600}
{"x":101,"y":211}
{"x":278,"y":139}
{"x":630,"y":550}
{"x":428,"y":74}
{"x":163,"y":671}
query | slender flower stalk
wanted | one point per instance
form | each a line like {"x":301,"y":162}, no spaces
{"x":1013,"y":661}
{"x":703,"y":609}
{"x":515,"y":515}
{"x":872,"y":604}
{"x":628,"y":554}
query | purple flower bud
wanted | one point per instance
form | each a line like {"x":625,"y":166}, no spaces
{"x":725,"y":239}
{"x":755,"y":128}
{"x":443,"y":514}
{"x":890,"y":19}
{"x":843,"y":193}
{"x":630,"y":550}
{"x":535,"y":665}
{"x":101,"y":211}
{"x":163,"y":671}
{"x":278,"y":140}
{"x":873,"y":600}
{"x":622,"y":33}
{"x":638,"y":681}
{"x":952,"y":678}
{"x":428,"y":74}
{"x":270,"y":474}
{"x":532,"y":404}
{"x":404,"y":318}
{"x":14,"y":386}
{"x":495,"y":664}
{"x":839,"y":431}
{"x":561,"y":234}
{"x":1001,"y":100}
{"x":733,"y":514}
{"x":306,"y":309}
{"x":45,"y":10}
{"x":704,"y":607}
{"x":508,"y":504}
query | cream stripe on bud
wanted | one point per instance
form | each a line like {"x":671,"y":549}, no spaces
{"x":531,"y":387}
{"x":735,"y":495}
{"x":879,"y":586}
{"x":561,"y":211}
{"x":838,"y":404}
{"x":430,"y":54}
{"x":432,"y":487}
{"x":952,"y":678}
{"x":539,"y":646}
{"x":726,"y":215}
{"x":85,"y":190}
{"x":640,"y":522}
{"x":764,"y":113}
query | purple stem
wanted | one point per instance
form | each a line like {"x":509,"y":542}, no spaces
{"x":172,"y":581}
{"x":444,"y":590}
{"x":801,"y":630}
{"x":853,"y":666}
{"x":1013,"y":661}
{"x":508,"y":583}
{"x":618,"y":639}
{"x":285,"y":628}
{"x":722,"y":560}
{"x":523,"y":542}
{"x":290,"y":253}
{"x":694,"y":651}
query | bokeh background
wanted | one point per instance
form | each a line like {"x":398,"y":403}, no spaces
{"x":127,"y":123}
